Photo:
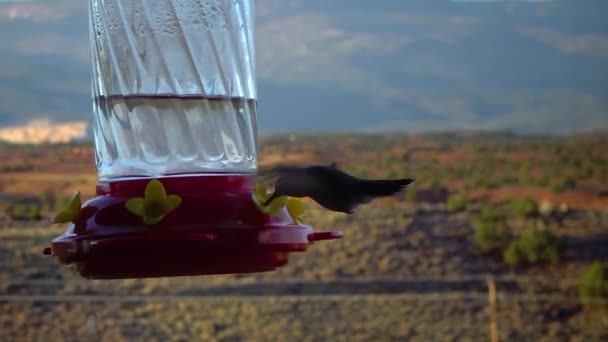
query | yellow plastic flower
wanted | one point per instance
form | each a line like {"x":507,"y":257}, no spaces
{"x":261,"y":195}
{"x":71,"y":211}
{"x":155,"y":205}
{"x":296,"y":209}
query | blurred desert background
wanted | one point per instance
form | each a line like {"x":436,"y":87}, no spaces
{"x":498,"y":109}
{"x":525,"y":214}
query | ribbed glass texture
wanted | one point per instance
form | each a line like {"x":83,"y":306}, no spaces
{"x":173,"y":87}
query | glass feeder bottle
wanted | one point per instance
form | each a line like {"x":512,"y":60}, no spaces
{"x":174,"y":88}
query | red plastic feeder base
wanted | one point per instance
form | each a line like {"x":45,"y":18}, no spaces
{"x":217,"y":229}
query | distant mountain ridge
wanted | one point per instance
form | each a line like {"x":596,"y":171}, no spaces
{"x":527,"y":67}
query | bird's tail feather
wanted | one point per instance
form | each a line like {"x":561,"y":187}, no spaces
{"x":380,"y":188}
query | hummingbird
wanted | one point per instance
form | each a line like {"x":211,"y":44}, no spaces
{"x":330,"y":187}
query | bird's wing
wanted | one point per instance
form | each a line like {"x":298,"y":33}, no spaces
{"x":270,"y":175}
{"x":297,"y":181}
{"x":277,"y":170}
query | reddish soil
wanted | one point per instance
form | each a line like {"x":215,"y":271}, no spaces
{"x":578,"y":199}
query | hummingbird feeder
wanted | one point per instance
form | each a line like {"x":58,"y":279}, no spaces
{"x":175,"y":129}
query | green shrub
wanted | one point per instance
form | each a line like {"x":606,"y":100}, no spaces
{"x":524,"y":207}
{"x":34,"y":212}
{"x":24,"y":211}
{"x":511,"y":256}
{"x":491,"y":236}
{"x":457,"y":203}
{"x":476,"y":180}
{"x":555,"y":188}
{"x":532,"y":247}
{"x":539,"y":245}
{"x":491,"y":214}
{"x":567,"y":183}
{"x":599,"y":170}
{"x":48,"y":198}
{"x":594,"y":284}
{"x":434,"y":183}
{"x":544,"y":181}
{"x":491,"y":230}
{"x":410,"y":195}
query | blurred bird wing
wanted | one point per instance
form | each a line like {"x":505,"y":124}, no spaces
{"x":296,"y":179}
{"x":278,"y":171}
{"x":270,"y":176}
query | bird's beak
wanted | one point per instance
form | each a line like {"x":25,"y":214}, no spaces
{"x":274,"y":195}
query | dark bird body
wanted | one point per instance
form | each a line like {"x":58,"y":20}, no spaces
{"x":331,"y":187}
